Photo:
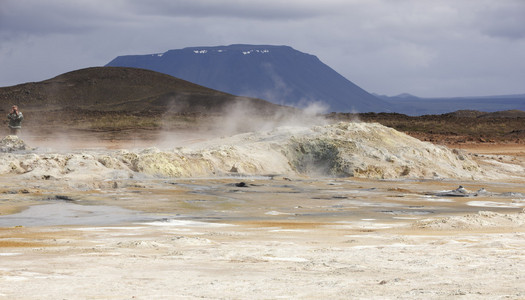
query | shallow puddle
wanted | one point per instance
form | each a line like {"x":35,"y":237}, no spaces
{"x":259,"y":199}
{"x":63,"y":213}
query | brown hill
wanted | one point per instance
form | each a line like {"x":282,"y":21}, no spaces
{"x":123,"y":90}
{"x":125,"y":101}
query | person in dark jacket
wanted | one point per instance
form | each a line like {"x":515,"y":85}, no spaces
{"x":15,"y":120}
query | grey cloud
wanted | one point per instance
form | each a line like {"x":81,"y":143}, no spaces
{"x":33,"y":17}
{"x":267,"y":9}
{"x":507,"y":20}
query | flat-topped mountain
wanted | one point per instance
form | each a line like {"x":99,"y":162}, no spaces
{"x":123,"y":89}
{"x":279,"y":74}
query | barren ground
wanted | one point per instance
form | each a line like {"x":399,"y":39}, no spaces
{"x":276,"y":237}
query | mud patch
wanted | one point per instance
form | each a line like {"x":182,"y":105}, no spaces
{"x":63,"y":213}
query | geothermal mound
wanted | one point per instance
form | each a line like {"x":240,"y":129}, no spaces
{"x":343,"y":150}
{"x":12,"y":143}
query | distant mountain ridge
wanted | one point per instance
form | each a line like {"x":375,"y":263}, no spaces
{"x":279,"y":74}
{"x":412,"y":105}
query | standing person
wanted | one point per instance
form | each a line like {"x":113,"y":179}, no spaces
{"x":15,"y":120}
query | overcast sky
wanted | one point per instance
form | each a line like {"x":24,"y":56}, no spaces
{"x":434,"y":48}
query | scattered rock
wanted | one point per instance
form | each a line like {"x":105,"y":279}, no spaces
{"x":62,"y":197}
{"x":459,"y":192}
{"x":462,"y":192}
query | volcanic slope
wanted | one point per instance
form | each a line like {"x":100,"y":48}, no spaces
{"x":124,"y":90}
{"x":279,"y":74}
